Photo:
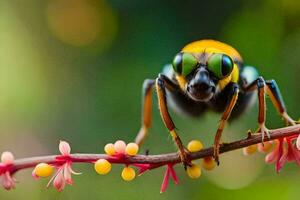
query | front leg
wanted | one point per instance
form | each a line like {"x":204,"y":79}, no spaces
{"x":161,"y":83}
{"x":232,"y":101}
{"x":147,"y":106}
{"x":260,"y":85}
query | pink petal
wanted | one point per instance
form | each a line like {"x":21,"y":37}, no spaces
{"x":64,"y":148}
{"x":273,"y":155}
{"x":33,"y":174}
{"x":2,"y":168}
{"x":142,"y":168}
{"x":54,"y":176}
{"x":290,"y":154}
{"x":67,"y":174}
{"x":296,"y":155}
{"x":298,"y":142}
{"x":165,"y":183}
{"x":281,"y":161}
{"x":72,"y":171}
{"x":173,"y":174}
{"x":59,"y":182}
{"x":7,"y":181}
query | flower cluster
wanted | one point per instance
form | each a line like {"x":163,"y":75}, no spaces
{"x":118,"y":150}
{"x":280,"y":151}
{"x":207,"y":163}
{"x":193,"y":171}
{"x":63,"y":168}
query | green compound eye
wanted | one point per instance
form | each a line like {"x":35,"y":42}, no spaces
{"x":184,"y":63}
{"x":220,"y":65}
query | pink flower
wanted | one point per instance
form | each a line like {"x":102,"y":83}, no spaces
{"x":64,"y":168}
{"x":169,"y":172}
{"x":285,"y":151}
{"x":6,"y":179}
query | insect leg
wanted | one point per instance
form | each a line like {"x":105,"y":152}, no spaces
{"x":259,"y":84}
{"x":161,"y":83}
{"x":277,"y":100}
{"x":225,"y":116}
{"x":147,"y":106}
{"x":146,"y":111}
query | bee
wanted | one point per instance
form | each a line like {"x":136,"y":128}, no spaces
{"x":208,"y":75}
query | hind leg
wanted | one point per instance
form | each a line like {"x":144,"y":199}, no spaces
{"x":277,"y":100}
{"x":146,"y":111}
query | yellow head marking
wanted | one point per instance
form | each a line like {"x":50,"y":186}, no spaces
{"x":181,"y":81}
{"x":222,"y":83}
{"x":235,"y":74}
{"x":233,"y":77}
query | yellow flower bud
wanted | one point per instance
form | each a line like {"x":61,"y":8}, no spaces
{"x":109,"y":149}
{"x":208,"y":163}
{"x":193,"y":171}
{"x":128,"y":174}
{"x":132,"y":149}
{"x":265,"y":147}
{"x":43,"y":170}
{"x":194,"y":146}
{"x":102,"y":166}
{"x":249,"y":149}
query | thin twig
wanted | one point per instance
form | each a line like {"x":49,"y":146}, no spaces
{"x":157,"y":160}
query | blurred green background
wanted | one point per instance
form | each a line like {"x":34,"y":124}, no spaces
{"x":73,"y":70}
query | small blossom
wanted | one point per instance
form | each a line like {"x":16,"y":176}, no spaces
{"x":285,"y":151}
{"x":64,"y":172}
{"x":6,"y":179}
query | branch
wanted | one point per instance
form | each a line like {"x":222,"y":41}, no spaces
{"x":285,"y":150}
{"x":162,"y":159}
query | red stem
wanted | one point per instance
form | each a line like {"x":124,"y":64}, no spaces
{"x":154,"y":161}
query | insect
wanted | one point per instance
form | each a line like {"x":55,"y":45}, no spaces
{"x":208,"y":75}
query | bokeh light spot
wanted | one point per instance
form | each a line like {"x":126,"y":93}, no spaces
{"x":81,"y":22}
